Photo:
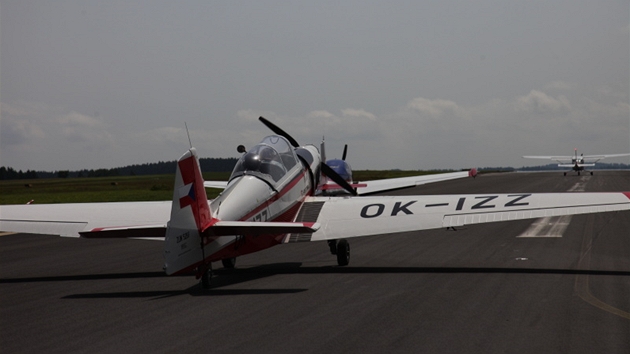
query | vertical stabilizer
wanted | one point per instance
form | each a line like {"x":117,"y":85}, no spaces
{"x":190,"y":215}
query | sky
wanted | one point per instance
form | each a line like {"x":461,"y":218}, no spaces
{"x":407,"y":84}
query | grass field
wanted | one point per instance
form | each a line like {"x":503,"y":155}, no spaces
{"x":125,"y":188}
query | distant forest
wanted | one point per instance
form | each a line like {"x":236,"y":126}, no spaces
{"x":156,"y":168}
{"x":224,"y":165}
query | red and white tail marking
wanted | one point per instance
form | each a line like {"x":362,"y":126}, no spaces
{"x":190,"y":216}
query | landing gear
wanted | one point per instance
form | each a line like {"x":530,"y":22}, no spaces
{"x":206,"y":275}
{"x":591,"y":173}
{"x":333,"y":246}
{"x":343,"y":252}
{"x":229,"y":263}
{"x":578,"y":173}
{"x":565,"y":174}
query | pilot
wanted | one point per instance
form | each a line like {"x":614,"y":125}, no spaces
{"x":269,"y":163}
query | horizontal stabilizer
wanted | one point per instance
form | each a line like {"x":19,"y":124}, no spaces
{"x":252,"y":228}
{"x":147,"y":231}
{"x":579,"y":165}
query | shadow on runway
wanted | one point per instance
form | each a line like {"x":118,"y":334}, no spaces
{"x":227,"y":277}
{"x":83,"y":277}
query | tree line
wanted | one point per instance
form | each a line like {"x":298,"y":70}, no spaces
{"x":154,"y":168}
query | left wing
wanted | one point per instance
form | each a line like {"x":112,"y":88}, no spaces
{"x":141,"y":219}
{"x":355,"y":217}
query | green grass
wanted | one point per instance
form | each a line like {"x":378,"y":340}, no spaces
{"x":126,"y":188}
{"x":98,"y":189}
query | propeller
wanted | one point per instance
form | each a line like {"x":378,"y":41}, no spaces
{"x":329,"y":172}
{"x":274,"y":128}
{"x":345,"y":151}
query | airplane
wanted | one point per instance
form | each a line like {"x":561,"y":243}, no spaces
{"x":343,"y":169}
{"x":577,"y":163}
{"x":269,"y":200}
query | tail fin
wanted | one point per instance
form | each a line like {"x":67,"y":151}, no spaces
{"x":190,"y":216}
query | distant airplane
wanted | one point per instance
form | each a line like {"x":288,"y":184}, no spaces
{"x":577,"y":163}
{"x":270,"y":200}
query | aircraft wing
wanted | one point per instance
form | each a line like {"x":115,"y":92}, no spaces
{"x":215,"y":184}
{"x":557,"y":158}
{"x":404,"y":182}
{"x":601,"y":157}
{"x":139,"y":219}
{"x":366,"y":216}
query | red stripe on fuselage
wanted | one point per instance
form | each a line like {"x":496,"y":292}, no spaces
{"x":277,"y":196}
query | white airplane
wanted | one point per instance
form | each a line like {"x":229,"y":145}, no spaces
{"x":575,"y":162}
{"x":269,"y":200}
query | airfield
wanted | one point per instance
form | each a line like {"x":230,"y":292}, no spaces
{"x":531,"y":286}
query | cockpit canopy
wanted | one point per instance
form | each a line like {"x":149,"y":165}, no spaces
{"x":270,"y":160}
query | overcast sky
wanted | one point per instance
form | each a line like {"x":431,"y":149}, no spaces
{"x":406,"y":84}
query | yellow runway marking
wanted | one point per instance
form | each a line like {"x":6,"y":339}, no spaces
{"x":7,"y":233}
{"x":582,"y":280}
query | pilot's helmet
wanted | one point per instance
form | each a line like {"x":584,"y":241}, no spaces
{"x":267,"y":154}
{"x":251,"y":161}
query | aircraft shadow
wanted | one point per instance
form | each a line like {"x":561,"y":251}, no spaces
{"x":227,"y":277}
{"x":296,"y":268}
{"x":82,"y":277}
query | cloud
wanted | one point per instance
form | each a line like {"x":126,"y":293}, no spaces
{"x":540,"y":102}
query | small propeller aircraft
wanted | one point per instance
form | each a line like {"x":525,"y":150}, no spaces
{"x":575,"y":162}
{"x":270,"y":200}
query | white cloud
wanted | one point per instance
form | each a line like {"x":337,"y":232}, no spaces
{"x":539,"y":102}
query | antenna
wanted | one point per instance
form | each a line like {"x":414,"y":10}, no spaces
{"x":188,"y":133}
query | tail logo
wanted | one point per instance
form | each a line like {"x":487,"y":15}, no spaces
{"x":187,"y":195}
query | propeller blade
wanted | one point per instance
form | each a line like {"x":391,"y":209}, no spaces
{"x":274,"y":128}
{"x":345,"y":151}
{"x":330,"y":173}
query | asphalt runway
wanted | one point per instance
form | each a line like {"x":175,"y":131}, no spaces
{"x":480,"y":289}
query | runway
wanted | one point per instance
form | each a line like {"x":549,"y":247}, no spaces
{"x":480,"y":289}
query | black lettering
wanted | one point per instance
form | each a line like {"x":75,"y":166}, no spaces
{"x":514,"y":202}
{"x":379,"y":210}
{"x":460,"y":204}
{"x":481,"y":204}
{"x":398,"y":207}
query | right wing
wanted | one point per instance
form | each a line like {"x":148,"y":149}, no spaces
{"x":405,"y":182}
{"x":601,"y":157}
{"x":215,"y":184}
{"x":367,"y":216}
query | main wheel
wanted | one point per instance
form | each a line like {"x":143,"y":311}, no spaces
{"x":205,"y":279}
{"x":343,"y":252}
{"x":229,"y":263}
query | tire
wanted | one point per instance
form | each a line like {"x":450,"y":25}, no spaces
{"x":229,"y":263}
{"x":343,"y":252}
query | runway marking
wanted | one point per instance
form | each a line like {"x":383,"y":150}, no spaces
{"x":582,"y":280}
{"x":7,"y":233}
{"x":553,"y":226}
